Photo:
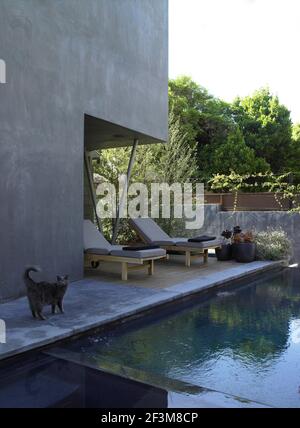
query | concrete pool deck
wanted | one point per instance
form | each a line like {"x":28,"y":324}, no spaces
{"x":103,"y":298}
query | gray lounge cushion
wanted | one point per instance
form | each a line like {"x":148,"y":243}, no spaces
{"x":92,"y":238}
{"x":164,"y":243}
{"x":180,"y":240}
{"x":139,"y":254}
{"x":151,"y":232}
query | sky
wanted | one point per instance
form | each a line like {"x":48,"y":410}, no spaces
{"x":233,"y":47}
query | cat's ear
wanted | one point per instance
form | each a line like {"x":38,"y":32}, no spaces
{"x":59,"y":278}
{"x":66,"y":277}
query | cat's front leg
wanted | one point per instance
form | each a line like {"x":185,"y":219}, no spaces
{"x":53,"y":309}
{"x":41,"y":316}
{"x":60,"y":306}
{"x":33,"y":311}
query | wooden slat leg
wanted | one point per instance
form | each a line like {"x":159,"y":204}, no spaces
{"x":124,"y":271}
{"x":188,"y":259}
{"x":151,"y":267}
{"x":205,"y":257}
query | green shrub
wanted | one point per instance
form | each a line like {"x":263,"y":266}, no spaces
{"x":273,"y":244}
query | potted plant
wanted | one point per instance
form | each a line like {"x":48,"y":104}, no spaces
{"x":244,"y":247}
{"x":235,"y":240}
{"x":225,"y":252}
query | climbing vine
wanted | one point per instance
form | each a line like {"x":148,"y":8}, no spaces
{"x":280,"y":185}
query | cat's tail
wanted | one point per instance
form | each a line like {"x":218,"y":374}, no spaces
{"x":27,"y":276}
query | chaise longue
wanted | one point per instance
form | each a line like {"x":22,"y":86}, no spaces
{"x":97,"y":249}
{"x":150,"y":232}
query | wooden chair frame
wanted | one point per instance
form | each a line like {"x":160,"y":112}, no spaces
{"x":190,"y":252}
{"x":128,"y":263}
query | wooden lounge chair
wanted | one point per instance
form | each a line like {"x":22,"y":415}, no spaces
{"x":151,"y":233}
{"x":97,"y":249}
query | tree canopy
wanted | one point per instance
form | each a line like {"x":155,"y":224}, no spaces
{"x":266,"y":126}
{"x":293,"y":158}
{"x":250,"y":135}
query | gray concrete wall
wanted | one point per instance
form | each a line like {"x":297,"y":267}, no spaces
{"x":262,"y":220}
{"x":67,"y":58}
{"x":216,"y":221}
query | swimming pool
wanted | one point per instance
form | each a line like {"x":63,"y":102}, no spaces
{"x":244,"y":341}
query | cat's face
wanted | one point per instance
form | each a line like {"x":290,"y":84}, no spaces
{"x":62,"y":280}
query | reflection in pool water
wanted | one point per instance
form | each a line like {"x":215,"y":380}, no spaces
{"x":245,"y":342}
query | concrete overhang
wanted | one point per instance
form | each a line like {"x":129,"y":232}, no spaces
{"x":101,"y":134}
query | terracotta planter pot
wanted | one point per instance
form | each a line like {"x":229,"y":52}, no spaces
{"x":245,"y":252}
{"x":224,"y":253}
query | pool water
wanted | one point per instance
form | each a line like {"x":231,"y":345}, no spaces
{"x":244,"y":341}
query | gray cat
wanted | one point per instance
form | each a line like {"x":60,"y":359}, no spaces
{"x":41,"y":294}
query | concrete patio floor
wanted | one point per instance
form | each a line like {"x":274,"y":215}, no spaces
{"x":167,"y":274}
{"x":102,"y":298}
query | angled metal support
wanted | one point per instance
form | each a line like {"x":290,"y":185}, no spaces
{"x":89,"y":173}
{"x":124,"y":194}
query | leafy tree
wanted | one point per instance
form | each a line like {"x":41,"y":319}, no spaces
{"x":293,"y":160}
{"x":296,"y":132}
{"x":174,"y":162}
{"x":211,"y":125}
{"x":187,"y":101}
{"x":204,"y":116}
{"x":235,"y":155}
{"x":266,"y":126}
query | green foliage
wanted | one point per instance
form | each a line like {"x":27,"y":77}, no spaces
{"x":266,"y":126}
{"x":235,"y":182}
{"x":234,"y":154}
{"x":174,"y":162}
{"x":188,"y":102}
{"x":171,"y":162}
{"x":296,"y":132}
{"x":293,"y":159}
{"x":262,"y":182}
{"x":273,"y":245}
{"x":246,"y":137}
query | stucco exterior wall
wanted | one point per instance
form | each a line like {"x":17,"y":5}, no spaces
{"x":64,"y":59}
